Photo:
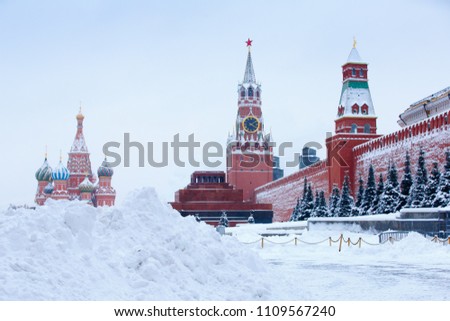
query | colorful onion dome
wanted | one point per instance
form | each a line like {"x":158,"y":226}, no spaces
{"x":86,"y":186}
{"x":49,"y":188}
{"x":105,"y":170}
{"x":44,"y":173}
{"x":60,"y":173}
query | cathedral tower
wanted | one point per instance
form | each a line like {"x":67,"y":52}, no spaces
{"x":79,"y":162}
{"x":249,"y":153}
{"x":105,"y":194}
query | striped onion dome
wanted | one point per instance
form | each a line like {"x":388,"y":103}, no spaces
{"x":49,"y":188}
{"x":86,"y":186}
{"x":105,"y":170}
{"x":60,"y":173}
{"x":44,"y":173}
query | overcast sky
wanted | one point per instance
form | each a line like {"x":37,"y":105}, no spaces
{"x":157,"y":68}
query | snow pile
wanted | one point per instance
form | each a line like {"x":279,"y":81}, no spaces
{"x":142,"y":250}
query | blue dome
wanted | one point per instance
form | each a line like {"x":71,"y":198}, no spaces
{"x":105,"y":170}
{"x":44,"y":173}
{"x":49,"y":188}
{"x":60,"y":173}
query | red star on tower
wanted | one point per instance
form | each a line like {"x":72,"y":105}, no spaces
{"x":249,"y":42}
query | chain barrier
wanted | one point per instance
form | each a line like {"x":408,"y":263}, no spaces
{"x":341,"y":240}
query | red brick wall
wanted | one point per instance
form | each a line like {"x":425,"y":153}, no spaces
{"x":433,"y":135}
{"x":283,"y":193}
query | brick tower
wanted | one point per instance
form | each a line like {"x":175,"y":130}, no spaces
{"x":356,"y":122}
{"x":105,"y":194}
{"x":78,"y":162}
{"x":43,"y":176}
{"x":249,"y":154}
{"x":60,"y":176}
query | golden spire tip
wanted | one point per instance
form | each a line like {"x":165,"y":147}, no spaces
{"x":354,"y":42}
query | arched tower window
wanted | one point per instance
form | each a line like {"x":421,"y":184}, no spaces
{"x":353,"y":72}
{"x":361,"y":72}
{"x":258,"y":93}
{"x":355,"y":109}
{"x":367,"y":128}
{"x":354,"y":129}
{"x":250,"y":91}
{"x":242,"y":93}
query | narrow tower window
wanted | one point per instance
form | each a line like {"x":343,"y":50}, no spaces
{"x":367,"y":128}
{"x":361,"y":73}
{"x":353,"y":72}
{"x":250,"y":91}
{"x":354,"y":129}
{"x":242,"y":93}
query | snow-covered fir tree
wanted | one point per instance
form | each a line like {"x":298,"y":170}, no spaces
{"x":345,"y":205}
{"x":442,"y":198}
{"x":432,"y":186}
{"x":360,"y":195}
{"x":390,"y":198}
{"x":380,"y":190}
{"x":407,"y":181}
{"x":308,"y":205}
{"x":370,"y":193}
{"x":316,"y":203}
{"x":417,"y":193}
{"x":296,"y":211}
{"x":322,"y":208}
{"x":251,"y":219}
{"x":334,"y":201}
{"x":223,"y":219}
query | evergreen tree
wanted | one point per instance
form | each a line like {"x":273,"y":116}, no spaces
{"x":360,"y":196}
{"x":295,"y":212}
{"x":345,"y":205}
{"x":390,"y":198}
{"x":334,"y":200}
{"x":322,"y":208}
{"x":223,"y":219}
{"x":432,"y":186}
{"x":380,"y":190}
{"x":370,"y":193}
{"x":442,"y":198}
{"x":251,"y":219}
{"x":406,"y":183}
{"x":417,"y":193}
{"x":308,"y":205}
{"x":316,"y":204}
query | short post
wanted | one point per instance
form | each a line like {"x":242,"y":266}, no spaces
{"x":340,"y":242}
{"x":359,"y":241}
{"x":348,"y":242}
{"x":296,"y":241}
{"x":448,"y":240}
{"x":262,"y":242}
{"x":329,"y":239}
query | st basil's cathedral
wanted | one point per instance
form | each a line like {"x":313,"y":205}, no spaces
{"x":76,"y":181}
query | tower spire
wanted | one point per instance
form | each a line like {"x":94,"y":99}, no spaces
{"x":249,"y":75}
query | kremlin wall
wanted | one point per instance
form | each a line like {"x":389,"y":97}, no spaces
{"x":354,"y":146}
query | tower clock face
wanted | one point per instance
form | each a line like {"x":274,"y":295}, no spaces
{"x":250,"y":124}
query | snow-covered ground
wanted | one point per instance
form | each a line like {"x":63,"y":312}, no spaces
{"x":144,"y":250}
{"x":412,"y":269}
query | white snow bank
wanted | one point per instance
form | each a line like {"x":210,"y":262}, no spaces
{"x":142,"y":250}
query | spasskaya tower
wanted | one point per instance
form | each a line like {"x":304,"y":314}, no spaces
{"x":249,"y":152}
